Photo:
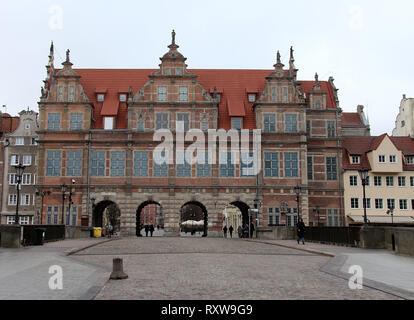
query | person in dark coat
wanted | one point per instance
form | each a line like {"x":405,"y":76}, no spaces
{"x":146,"y":230}
{"x":245,"y":231}
{"x":240,"y":231}
{"x":231,"y":231}
{"x":251,"y":229}
{"x":151,"y":229}
{"x":300,"y":227}
{"x":225,"y":231}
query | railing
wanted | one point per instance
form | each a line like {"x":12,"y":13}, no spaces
{"x":52,"y":233}
{"x":349,"y":236}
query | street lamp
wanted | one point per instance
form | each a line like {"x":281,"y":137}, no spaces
{"x":42,"y":194}
{"x":391,"y":212}
{"x":364,"y":178}
{"x":19,"y":172}
{"x":63,"y":186}
{"x":70,"y":199}
{"x":298,"y":189}
{"x":316,"y":209}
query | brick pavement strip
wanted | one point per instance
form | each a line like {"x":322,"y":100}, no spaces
{"x":222,"y":269}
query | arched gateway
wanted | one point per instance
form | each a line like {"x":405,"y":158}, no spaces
{"x":194,"y":219}
{"x":104,"y":212}
{"x":149,"y":213}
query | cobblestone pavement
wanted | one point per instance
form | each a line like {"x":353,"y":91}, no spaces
{"x":24,"y":272}
{"x":208,"y":268}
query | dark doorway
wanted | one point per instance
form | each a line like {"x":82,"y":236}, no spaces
{"x":104,"y":212}
{"x":244,"y":209}
{"x":194,"y":219}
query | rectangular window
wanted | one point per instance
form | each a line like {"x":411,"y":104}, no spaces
{"x":367,"y":203}
{"x":25,"y":200}
{"x":379,"y":204}
{"x":12,"y":199}
{"x":390,"y":181}
{"x":183,"y":167}
{"x":76,"y":121}
{"x":71,"y":94}
{"x":274,"y":95}
{"x":53,"y":163}
{"x":122,"y":97}
{"x":331,"y":169}
{"x":60,"y":93}
{"x":381,"y":159}
{"x":204,"y":126}
{"x":291,"y":123}
{"x":410,"y":159}
{"x":393,"y":159}
{"x":308,"y":128}
{"x":74,"y":163}
{"x":74,"y":215}
{"x":184,"y":117}
{"x":24,"y":220}
{"x":203,"y":170}
{"x":269,"y":121}
{"x":403,"y":204}
{"x":401,"y":181}
{"x":183,"y":93}
{"x":14,"y":160}
{"x":227,"y":168}
{"x":160,"y":170}
{"x":285,"y":94}
{"x":331,"y":129}
{"x":27,"y":179}
{"x":291,"y":164}
{"x":391,"y":204}
{"x":236,"y":123}
{"x":251,"y":97}
{"x":178,"y":71}
{"x":117,"y":163}
{"x":27,"y":160}
{"x":12,"y":179}
{"x":246,"y":164}
{"x":353,"y":181}
{"x":377,"y":181}
{"x":167,"y":71}
{"x":271,"y":164}
{"x":356,"y":159}
{"x":108,"y":123}
{"x":100,"y":97}
{"x":141,"y":164}
{"x":412,"y":181}
{"x":333,"y":218}
{"x":20,"y":141}
{"x":161,"y":121}
{"x":310,"y":168}
{"x":354,"y":203}
{"x":98,"y":164}
{"x":53,"y":121}
{"x":162,"y":93}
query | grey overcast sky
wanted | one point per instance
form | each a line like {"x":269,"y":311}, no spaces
{"x":367,"y":46}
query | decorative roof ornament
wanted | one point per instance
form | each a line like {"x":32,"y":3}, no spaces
{"x":279,"y":65}
{"x":52,"y":49}
{"x":173,"y":37}
{"x":291,"y":59}
{"x":278,"y":61}
{"x":67,"y":55}
{"x":316,"y":79}
{"x":67,"y":63}
{"x":173,"y":46}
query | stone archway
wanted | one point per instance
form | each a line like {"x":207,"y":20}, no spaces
{"x":155,"y":216}
{"x":194,"y":211}
{"x":104,"y":212}
{"x":236,"y":215}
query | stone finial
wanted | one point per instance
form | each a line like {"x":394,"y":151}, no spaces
{"x":173,"y":37}
{"x":67,"y":55}
{"x":292,"y":59}
{"x":316,"y":78}
{"x":51,"y":50}
{"x":278,"y":60}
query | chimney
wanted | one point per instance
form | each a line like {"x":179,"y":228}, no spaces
{"x":404,"y":96}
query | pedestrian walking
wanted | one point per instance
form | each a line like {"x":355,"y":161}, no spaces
{"x":225,"y":231}
{"x":251,"y":229}
{"x":245,"y":231}
{"x":151,"y":229}
{"x":300,"y":227}
{"x":146,"y":230}
{"x":231,"y":231}
{"x":240,"y":231}
{"x":109,"y":229}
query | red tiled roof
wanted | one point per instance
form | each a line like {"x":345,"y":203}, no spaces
{"x":8,"y":123}
{"x":351,"y":119}
{"x":231,"y":83}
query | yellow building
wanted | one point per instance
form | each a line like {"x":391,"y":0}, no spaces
{"x":390,"y":185}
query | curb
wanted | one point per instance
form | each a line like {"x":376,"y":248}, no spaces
{"x":295,"y":248}
{"x":76,"y":250}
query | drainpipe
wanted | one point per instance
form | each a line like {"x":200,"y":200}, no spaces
{"x":89,"y":178}
{"x":340,"y":168}
{"x":6,"y":144}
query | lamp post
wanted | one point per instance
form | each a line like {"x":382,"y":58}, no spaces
{"x":316,"y":209}
{"x":63,"y":186}
{"x":364,"y":178}
{"x":42,"y":194}
{"x":298,"y":189}
{"x":70,"y":199}
{"x":19,"y":172}
{"x":391,"y":212}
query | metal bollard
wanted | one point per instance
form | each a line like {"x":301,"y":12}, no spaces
{"x":118,"y":270}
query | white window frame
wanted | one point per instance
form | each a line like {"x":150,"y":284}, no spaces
{"x":393,"y":159}
{"x":161,"y":95}
{"x":100,"y":97}
{"x":25,"y":157}
{"x":12,"y":179}
{"x":10,"y":220}
{"x":183,"y":94}
{"x":109,"y":123}
{"x":20,"y":141}
{"x":25,"y":199}
{"x":122,"y":97}
{"x":355,"y":159}
{"x":410,"y":159}
{"x":384,"y":157}
{"x":12,"y":197}
{"x":16,"y":160}
{"x":71,"y":94}
{"x":26,"y":179}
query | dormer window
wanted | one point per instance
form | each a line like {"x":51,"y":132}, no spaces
{"x":122,"y":97}
{"x":178,"y":71}
{"x":100,"y":97}
{"x":356,"y":159}
{"x":20,"y":141}
{"x":252,"y":97}
{"x":410,"y":159}
{"x":318,"y":104}
{"x":219,"y":97}
{"x":167,"y":71}
{"x":381,"y":159}
{"x":393,"y":159}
